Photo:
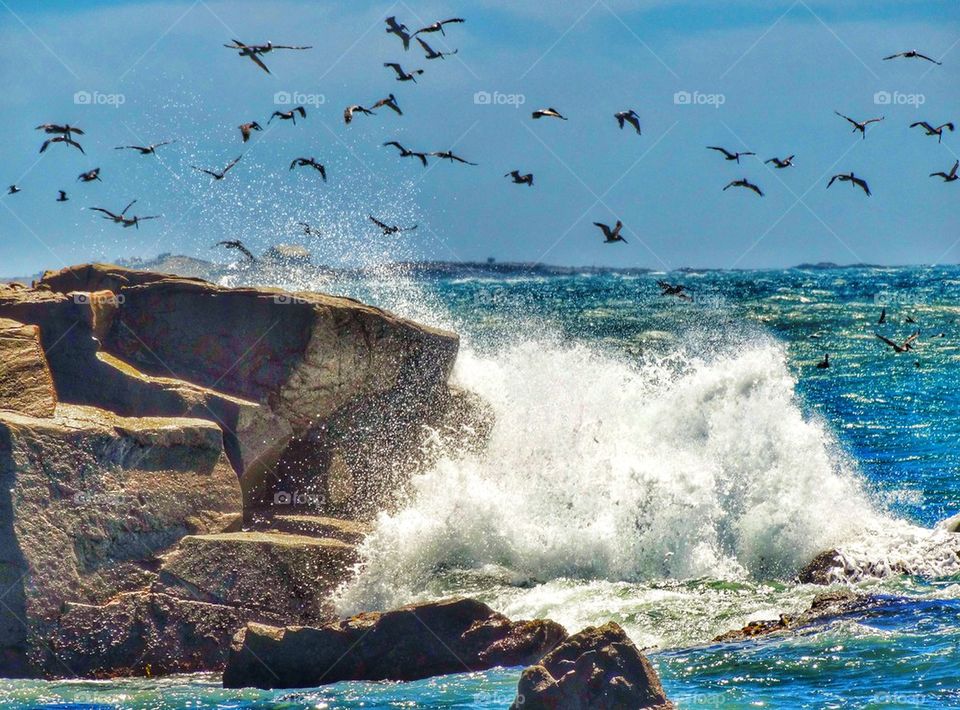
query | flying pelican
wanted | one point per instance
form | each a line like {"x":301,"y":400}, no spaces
{"x":780,"y":164}
{"x":390,"y":102}
{"x":218,"y":175}
{"x":883,"y":316}
{"x":13,"y":190}
{"x":62,"y":196}
{"x":912,"y":54}
{"x":727,"y":154}
{"x":520,"y":179}
{"x":853,"y":180}
{"x":400,"y":30}
{"x":307,"y":228}
{"x":610,"y":236}
{"x":859,"y":125}
{"x":448,"y":155}
{"x":145,"y":149}
{"x":65,"y":129}
{"x":388,"y":229}
{"x":825,"y":363}
{"x":401,"y":74}
{"x":65,"y":139}
{"x":122,"y":217}
{"x":631,"y":117}
{"x":933,"y":130}
{"x":290,"y":115}
{"x":548,"y":113}
{"x":253,"y":51}
{"x":238,"y":245}
{"x":900,"y":347}
{"x":669,"y":289}
{"x":247,"y":128}
{"x":309,"y":162}
{"x":404,"y":153}
{"x":438,"y":26}
{"x":356,"y":108}
{"x":432,"y":53}
{"x":744,"y":183}
{"x":948,"y":177}
{"x":90,"y":175}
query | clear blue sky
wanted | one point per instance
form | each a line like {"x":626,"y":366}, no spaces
{"x":780,"y":67}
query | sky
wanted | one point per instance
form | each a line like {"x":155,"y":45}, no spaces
{"x":758,"y":75}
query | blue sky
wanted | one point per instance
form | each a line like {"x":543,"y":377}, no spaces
{"x":766,"y":76}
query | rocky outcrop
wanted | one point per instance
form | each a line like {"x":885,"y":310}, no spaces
{"x":597,"y":669}
{"x":410,"y":643}
{"x":26,"y":385}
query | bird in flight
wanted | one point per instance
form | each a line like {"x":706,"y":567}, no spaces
{"x":309,"y":162}
{"x":933,"y":130}
{"x":400,"y":30}
{"x":145,"y":149}
{"x":438,"y":26}
{"x":307,"y":228}
{"x":859,"y":125}
{"x":64,"y":129}
{"x":122,"y":218}
{"x":390,"y":102}
{"x":781,"y":163}
{"x":290,"y":115}
{"x":912,"y":54}
{"x":405,"y":153}
{"x":520,"y":179}
{"x":388,"y":229}
{"x":903,"y":347}
{"x":669,"y":289}
{"x":247,"y":128}
{"x":235,"y":244}
{"x":356,"y":108}
{"x":948,"y":177}
{"x":90,"y":175}
{"x":218,"y":175}
{"x":610,"y":236}
{"x":743,"y":182}
{"x":253,"y":51}
{"x":548,"y":113}
{"x":65,"y":139}
{"x":432,"y":53}
{"x":727,"y":154}
{"x":62,"y":196}
{"x":631,"y":117}
{"x":401,"y":74}
{"x":448,"y":155}
{"x":13,"y":190}
{"x":883,"y":316}
{"x":853,"y":180}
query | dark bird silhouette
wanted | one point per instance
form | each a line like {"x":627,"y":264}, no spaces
{"x":253,"y":51}
{"x":853,"y":180}
{"x":448,"y":155}
{"x":13,"y":190}
{"x":307,"y":228}
{"x":520,"y":179}
{"x":405,"y":153}
{"x":62,"y":196}
{"x":290,"y":115}
{"x":90,"y":176}
{"x":548,"y":113}
{"x":933,"y":130}
{"x":356,"y":108}
{"x":401,"y":74}
{"x":912,"y":54}
{"x":780,"y":164}
{"x":432,"y":53}
{"x":825,"y":363}
{"x":859,"y":125}
{"x":883,"y":317}
{"x":144,"y":149}
{"x":610,"y":236}
{"x":390,"y":102}
{"x":65,"y":139}
{"x":669,"y":289}
{"x":631,"y":117}
{"x":948,"y":177}
{"x":400,"y":30}
{"x":121,"y":218}
{"x":388,"y":229}
{"x":743,"y":182}
{"x":727,"y":154}
{"x":903,"y":347}
{"x":237,"y":245}
{"x":247,"y":128}
{"x":309,"y":162}
{"x":219,"y":175}
{"x":438,"y":26}
{"x":64,"y":129}
{"x":910,"y":319}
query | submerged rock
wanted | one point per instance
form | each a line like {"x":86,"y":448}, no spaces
{"x":410,"y":643}
{"x":597,"y":669}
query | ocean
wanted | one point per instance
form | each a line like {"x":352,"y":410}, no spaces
{"x":671,"y":465}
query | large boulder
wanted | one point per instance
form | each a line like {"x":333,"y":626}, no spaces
{"x":26,"y":385}
{"x":410,"y":643}
{"x":597,"y":669}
